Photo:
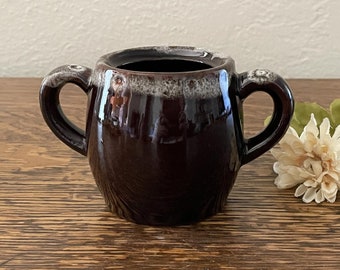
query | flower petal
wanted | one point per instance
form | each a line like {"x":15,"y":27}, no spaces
{"x":333,"y":175}
{"x":311,"y":128}
{"x":285,"y":180}
{"x":336,"y":134}
{"x":277,"y":168}
{"x":325,"y":127}
{"x":319,"y":197}
{"x":300,"y":190}
{"x":330,"y":197}
{"x":329,"y":187}
{"x":309,"y":195}
{"x":310,"y":161}
{"x":292,"y":131}
{"x":316,"y":166}
{"x":311,"y":183}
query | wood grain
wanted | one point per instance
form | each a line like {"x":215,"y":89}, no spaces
{"x":53,"y":217}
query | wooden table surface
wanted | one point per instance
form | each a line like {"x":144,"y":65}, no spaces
{"x":52,"y":215}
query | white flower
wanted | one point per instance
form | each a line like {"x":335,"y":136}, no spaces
{"x":311,"y":161}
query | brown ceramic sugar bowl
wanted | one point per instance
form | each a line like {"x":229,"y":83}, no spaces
{"x":164,"y":132}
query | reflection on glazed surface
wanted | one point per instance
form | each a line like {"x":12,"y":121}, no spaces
{"x":161,"y":155}
{"x":164,"y":128}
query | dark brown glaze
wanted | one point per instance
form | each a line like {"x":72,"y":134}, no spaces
{"x":164,"y":129}
{"x":181,"y":175}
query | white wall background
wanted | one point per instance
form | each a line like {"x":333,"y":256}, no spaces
{"x":297,"y":39}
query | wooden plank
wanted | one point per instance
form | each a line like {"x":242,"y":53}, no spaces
{"x":53,"y":217}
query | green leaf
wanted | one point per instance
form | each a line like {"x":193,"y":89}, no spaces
{"x":303,"y":111}
{"x":267,"y":120}
{"x":334,"y":109}
{"x":295,"y":123}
